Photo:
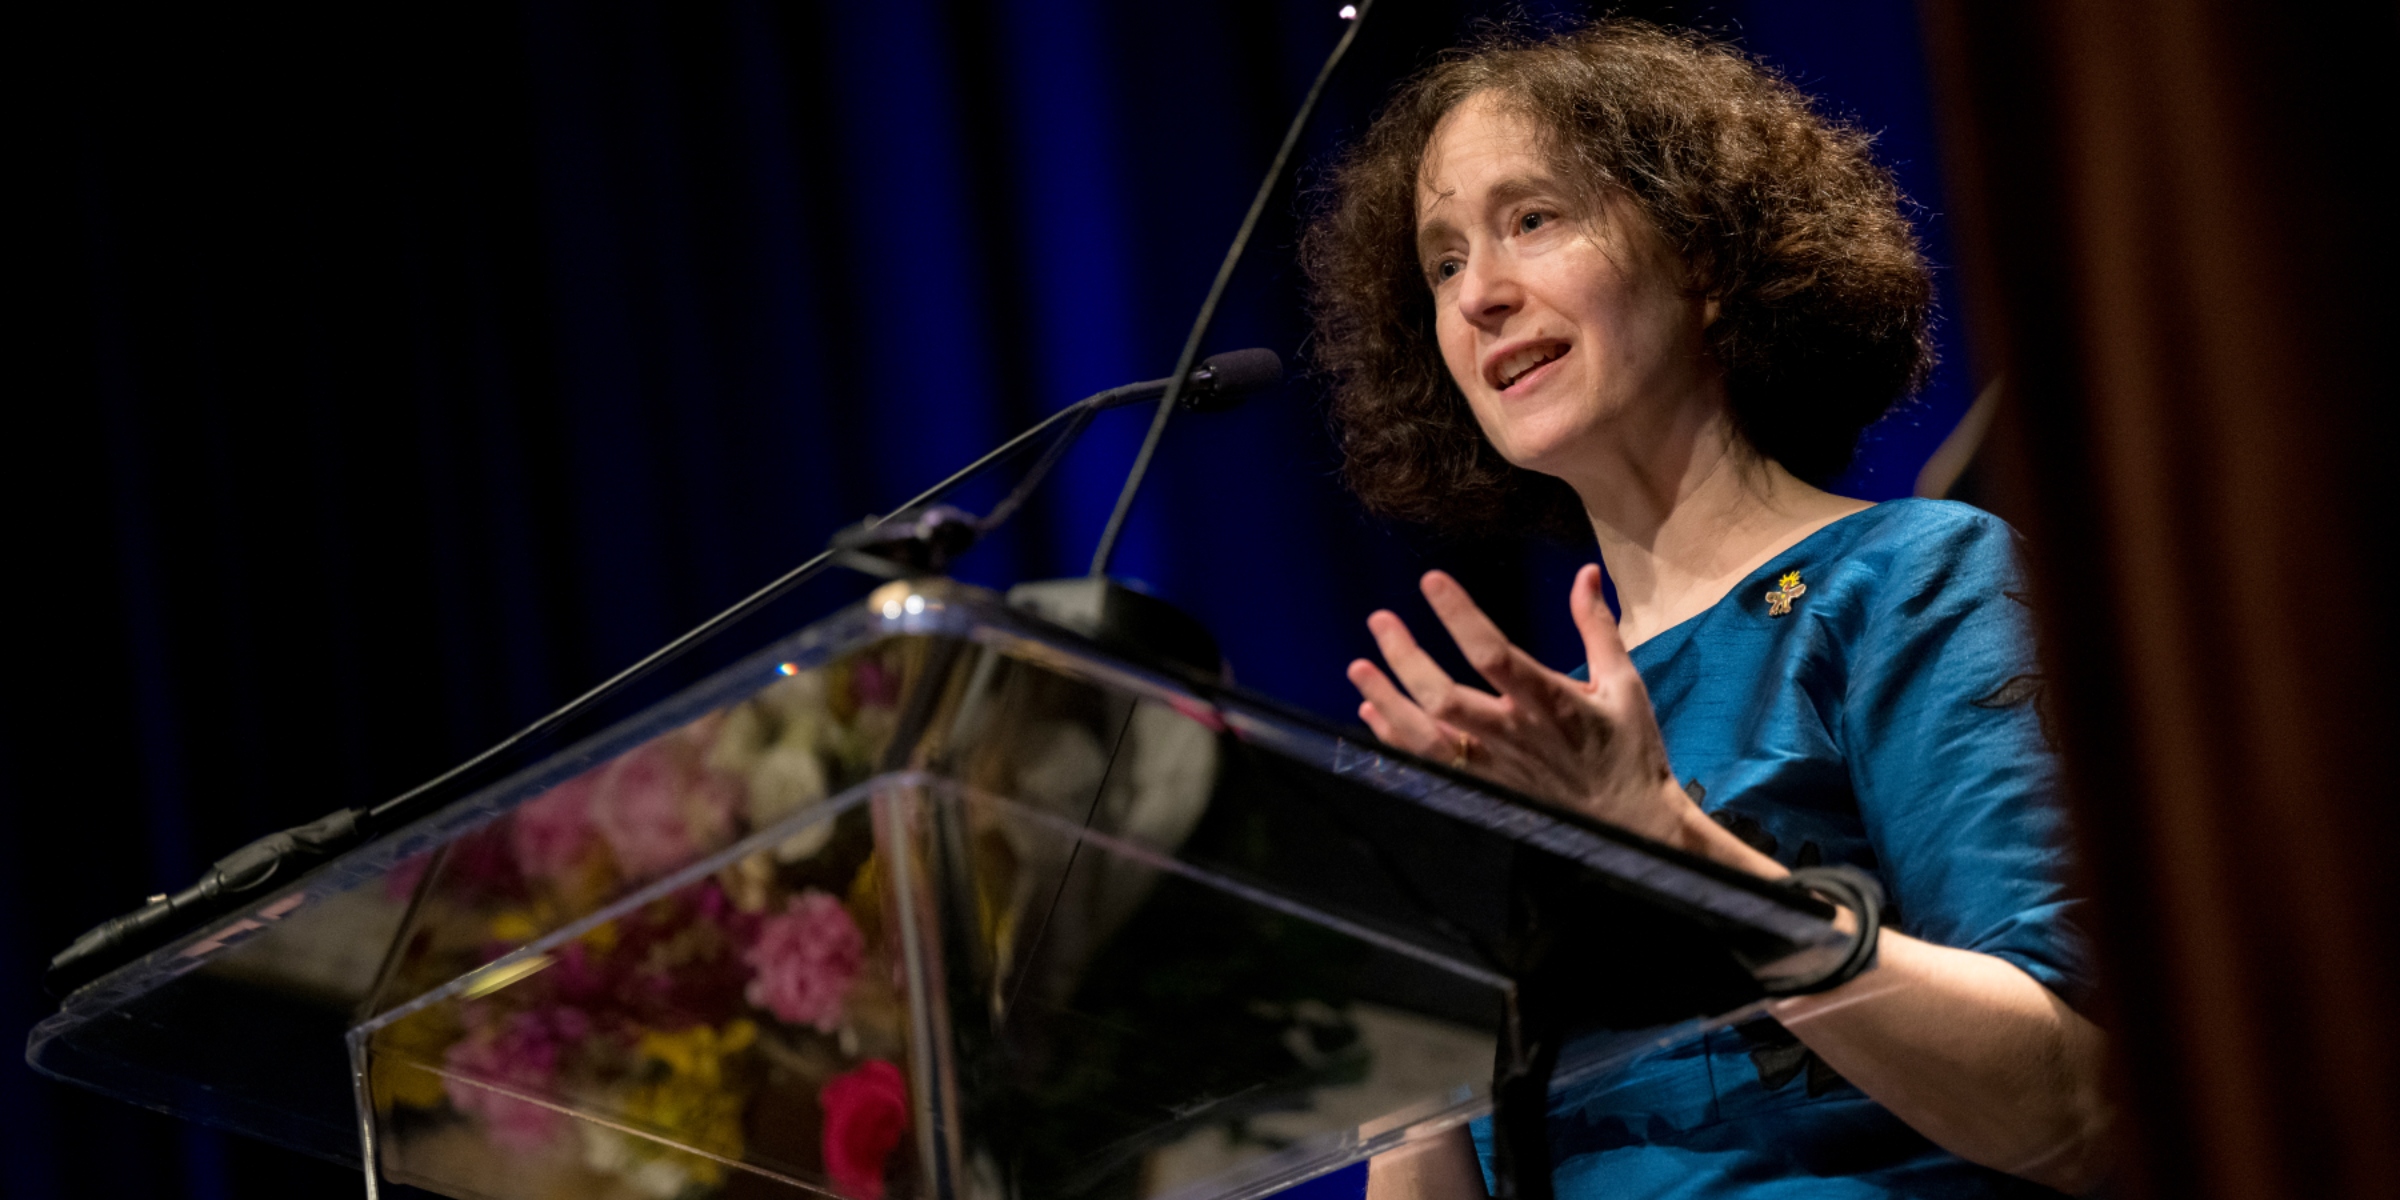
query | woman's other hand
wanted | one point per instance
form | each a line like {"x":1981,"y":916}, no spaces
{"x":1589,"y":744}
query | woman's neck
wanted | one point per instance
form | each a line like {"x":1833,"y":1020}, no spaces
{"x":1689,"y":514}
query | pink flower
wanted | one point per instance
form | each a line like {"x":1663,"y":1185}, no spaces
{"x":581,"y":976}
{"x":805,"y":960}
{"x":658,"y":808}
{"x":866,"y":1112}
{"x":521,"y":1055}
{"x":551,"y":833}
{"x":718,"y":909}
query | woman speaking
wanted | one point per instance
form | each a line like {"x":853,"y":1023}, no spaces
{"x":1628,"y":281}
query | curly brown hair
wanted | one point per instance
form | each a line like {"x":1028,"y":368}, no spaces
{"x":1774,"y":210}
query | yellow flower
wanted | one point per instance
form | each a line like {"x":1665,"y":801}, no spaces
{"x":692,"y":1104}
{"x":404,"y":1053}
{"x":516,"y":925}
{"x":700,"y":1051}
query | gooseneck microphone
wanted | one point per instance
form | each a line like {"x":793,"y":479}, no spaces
{"x":1356,"y":15}
{"x":1220,"y":382}
{"x":922,"y":538}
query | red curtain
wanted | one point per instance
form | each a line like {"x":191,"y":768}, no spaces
{"x":2173,"y":243}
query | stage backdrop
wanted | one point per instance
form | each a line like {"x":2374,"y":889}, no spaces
{"x":396,"y":371}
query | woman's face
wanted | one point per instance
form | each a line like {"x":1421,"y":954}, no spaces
{"x":1564,"y":327}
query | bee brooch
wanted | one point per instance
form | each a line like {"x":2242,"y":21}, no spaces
{"x":1787,"y":589}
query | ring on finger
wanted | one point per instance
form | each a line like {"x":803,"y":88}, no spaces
{"x":1465,"y":751}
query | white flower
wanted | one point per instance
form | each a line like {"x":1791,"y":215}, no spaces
{"x":786,"y":780}
{"x":611,"y":1153}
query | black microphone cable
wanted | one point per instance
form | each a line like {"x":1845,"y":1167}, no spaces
{"x":1075,"y":416}
{"x":287,"y":852}
{"x":1356,"y":15}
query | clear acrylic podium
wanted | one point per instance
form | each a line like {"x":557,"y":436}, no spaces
{"x":931,"y":899}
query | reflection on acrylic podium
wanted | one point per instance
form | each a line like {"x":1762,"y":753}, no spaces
{"x":931,"y":899}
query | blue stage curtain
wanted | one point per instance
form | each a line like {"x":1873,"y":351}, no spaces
{"x":398,"y":370}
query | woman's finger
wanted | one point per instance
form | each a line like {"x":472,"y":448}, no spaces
{"x":1603,"y":645}
{"x":1426,"y":681}
{"x":1397,"y":720}
{"x":1374,"y":718}
{"x":1486,"y":648}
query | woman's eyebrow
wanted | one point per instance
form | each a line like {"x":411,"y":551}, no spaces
{"x":1519,"y":187}
{"x":1432,"y":232}
{"x":1433,"y":229}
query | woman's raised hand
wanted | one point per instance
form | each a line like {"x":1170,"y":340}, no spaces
{"x":1590,"y":745}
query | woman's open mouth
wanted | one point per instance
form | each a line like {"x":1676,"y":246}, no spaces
{"x":1522,"y":365}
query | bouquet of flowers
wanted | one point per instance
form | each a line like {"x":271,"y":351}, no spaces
{"x":748,"y":1024}
{"x":751,"y":1019}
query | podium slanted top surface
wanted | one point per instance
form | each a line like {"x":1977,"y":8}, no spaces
{"x":930,"y":898}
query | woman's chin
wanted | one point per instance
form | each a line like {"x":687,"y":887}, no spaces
{"x":1550,"y":455}
{"x":1540,"y":433}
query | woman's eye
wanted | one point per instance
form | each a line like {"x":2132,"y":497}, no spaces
{"x":1446,"y":269}
{"x":1532,"y":221}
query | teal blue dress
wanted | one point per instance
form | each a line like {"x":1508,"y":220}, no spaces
{"x":1886,"y":713}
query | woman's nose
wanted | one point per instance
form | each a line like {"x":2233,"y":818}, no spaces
{"x":1489,"y":291}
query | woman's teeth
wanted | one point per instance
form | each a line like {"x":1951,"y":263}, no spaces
{"x":1514,"y":367}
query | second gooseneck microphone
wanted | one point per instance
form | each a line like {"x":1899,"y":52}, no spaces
{"x":921,"y":537}
{"x":1219,"y":382}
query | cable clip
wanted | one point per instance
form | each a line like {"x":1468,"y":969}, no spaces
{"x":1850,"y":888}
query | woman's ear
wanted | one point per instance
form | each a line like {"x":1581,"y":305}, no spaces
{"x":1709,"y":309}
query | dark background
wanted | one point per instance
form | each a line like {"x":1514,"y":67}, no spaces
{"x":391,"y":373}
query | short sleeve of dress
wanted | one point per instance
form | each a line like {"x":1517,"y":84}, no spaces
{"x":1958,"y":786}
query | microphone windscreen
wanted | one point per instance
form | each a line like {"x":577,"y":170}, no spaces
{"x":1236,"y":373}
